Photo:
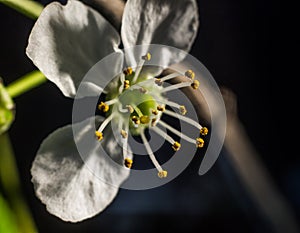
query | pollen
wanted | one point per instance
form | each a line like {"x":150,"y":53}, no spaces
{"x":153,"y":122}
{"x":124,"y":133}
{"x":103,"y":107}
{"x":128,"y":162}
{"x":154,"y":112}
{"x":199,"y":142}
{"x":130,"y":108}
{"x":176,"y":146}
{"x":162,"y":174}
{"x":195,"y":84}
{"x":127,"y":71}
{"x":147,"y":57}
{"x":99,"y":135}
{"x":126,"y":84}
{"x":136,"y":120}
{"x":161,"y":108}
{"x":182,"y":110}
{"x":158,"y":81}
{"x":145,"y":119}
{"x":190,"y":74}
{"x":203,"y":131}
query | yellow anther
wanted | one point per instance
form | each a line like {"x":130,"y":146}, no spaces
{"x":203,"y":131}
{"x":199,"y":142}
{"x":190,"y":74}
{"x":136,"y":120}
{"x":127,"y":71}
{"x":128,"y":162}
{"x":145,"y":119}
{"x":182,"y":110}
{"x":158,"y":81}
{"x":103,"y":107}
{"x":130,"y":108}
{"x":176,"y":146}
{"x":147,"y":57}
{"x":161,"y":108}
{"x":126,"y":84}
{"x":162,"y":174}
{"x":99,"y":135}
{"x":195,"y":84}
{"x":153,"y":122}
{"x":154,"y":112}
{"x":124,"y":133}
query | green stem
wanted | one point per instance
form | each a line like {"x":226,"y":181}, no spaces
{"x":29,"y":8}
{"x":25,"y":83}
{"x":9,"y":177}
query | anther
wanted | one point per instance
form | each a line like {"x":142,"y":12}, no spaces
{"x":128,"y":162}
{"x":158,"y":81}
{"x":154,"y":112}
{"x":126,"y":84}
{"x":145,"y":119}
{"x":203,"y":131}
{"x":162,"y":174}
{"x":124,"y":133}
{"x":136,"y":120}
{"x":182,"y":110}
{"x":130,"y":108}
{"x":199,"y":142}
{"x":161,"y":108}
{"x":153,"y":122}
{"x":195,"y":84}
{"x":103,"y":107}
{"x":190,"y":74}
{"x":147,"y":57}
{"x":127,"y":71}
{"x":99,"y":135}
{"x":176,"y":146}
{"x":143,"y":90}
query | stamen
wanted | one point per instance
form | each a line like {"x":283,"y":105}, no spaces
{"x":125,"y":142}
{"x":124,"y":133}
{"x":158,"y":81}
{"x":195,"y":84}
{"x":154,"y":112}
{"x":143,"y":90}
{"x":135,"y":120}
{"x":105,"y":122}
{"x":204,"y":131}
{"x":161,"y":108}
{"x":150,"y":153}
{"x":177,"y":86}
{"x":112,"y":101}
{"x":175,"y":145}
{"x":153,"y":122}
{"x":181,"y":108}
{"x":103,"y":107}
{"x":170,"y":76}
{"x":184,"y":118}
{"x":199,"y":142}
{"x":128,"y":162}
{"x":130,"y":108}
{"x":127,"y":71}
{"x":137,"y":110}
{"x":162,"y":174}
{"x":175,"y":131}
{"x":126,"y":84}
{"x":190,"y":74}
{"x":122,"y":79}
{"x":99,"y":135}
{"x":138,"y":70}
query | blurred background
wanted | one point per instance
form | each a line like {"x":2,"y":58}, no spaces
{"x":236,"y":42}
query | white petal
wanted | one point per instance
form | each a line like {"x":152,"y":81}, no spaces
{"x":66,"y":41}
{"x":74,"y":190}
{"x":172,"y":23}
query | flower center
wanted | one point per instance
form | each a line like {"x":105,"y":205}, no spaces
{"x":137,"y":102}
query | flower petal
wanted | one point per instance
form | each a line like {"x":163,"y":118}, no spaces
{"x":76,"y":186}
{"x":66,"y":41}
{"x":171,"y":23}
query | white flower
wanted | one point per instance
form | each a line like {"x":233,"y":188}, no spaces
{"x":65,"y":43}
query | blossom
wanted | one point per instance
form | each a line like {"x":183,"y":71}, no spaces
{"x":65,"y":43}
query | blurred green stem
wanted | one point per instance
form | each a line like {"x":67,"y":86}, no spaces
{"x":25,"y":83}
{"x":29,"y":8}
{"x":9,"y":178}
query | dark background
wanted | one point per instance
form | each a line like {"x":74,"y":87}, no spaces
{"x":237,"y":43}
